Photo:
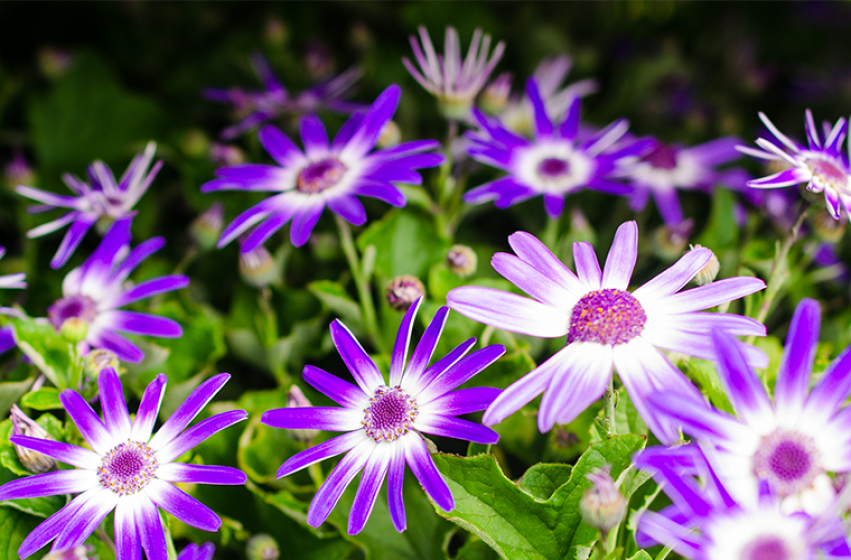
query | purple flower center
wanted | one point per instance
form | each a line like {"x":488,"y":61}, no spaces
{"x":128,"y":467}
{"x":607,"y":316}
{"x":662,"y":156}
{"x":789,"y":461}
{"x":320,"y":175}
{"x":79,"y":306}
{"x":390,"y":414}
{"x":553,"y":168}
{"x":766,"y":548}
{"x":828,"y":174}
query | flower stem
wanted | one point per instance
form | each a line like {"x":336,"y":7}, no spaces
{"x":362,"y":284}
{"x":609,"y":403}
{"x":550,"y":234}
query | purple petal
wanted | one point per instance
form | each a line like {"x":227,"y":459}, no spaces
{"x":313,"y":136}
{"x":553,"y":204}
{"x":716,"y":152}
{"x":48,"y":198}
{"x":677,"y":276}
{"x":531,"y":250}
{"x":200,"y":474}
{"x":403,"y":340}
{"x":395,"y":174}
{"x":329,"y":493}
{"x":151,"y":288}
{"x":370,"y":483}
{"x":50,"y":528}
{"x":833,"y":388}
{"x":439,"y":425}
{"x":141,"y":323}
{"x":699,"y":345}
{"x":444,"y":363}
{"x":793,"y":377}
{"x":93,"y":430}
{"x":538,"y":285}
{"x":123,"y":348}
{"x":505,"y":191}
{"x":127,"y":542}
{"x":304,"y":222}
{"x":423,"y":468}
{"x":342,"y":392}
{"x":136,"y":256}
{"x":744,"y":388}
{"x":425,"y":349}
{"x":188,"y":410}
{"x":198,"y":433}
{"x":381,"y":190}
{"x":669,"y":206}
{"x":326,"y":449}
{"x":373,"y":122}
{"x":543,"y":125}
{"x":573,"y":388}
{"x":570,"y":127}
{"x":71,"y":454}
{"x":346,"y":131}
{"x":72,"y":239}
{"x":349,"y":208}
{"x":621,"y":259}
{"x":697,"y":421}
{"x":356,"y":359}
{"x":49,"y":484}
{"x":271,"y":224}
{"x":509,"y":311}
{"x":313,"y":418}
{"x":99,"y":263}
{"x":279,"y":146}
{"x":150,"y":529}
{"x":253,"y":215}
{"x":113,"y":403}
{"x":682,"y":540}
{"x":461,"y":371}
{"x":587,"y":265}
{"x":395,"y":485}
{"x":182,"y":505}
{"x":785,"y":178}
{"x":89,"y":516}
{"x":716,"y":293}
{"x":146,"y":416}
{"x":463,"y":401}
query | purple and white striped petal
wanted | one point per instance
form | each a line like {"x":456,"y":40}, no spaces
{"x":188,"y":410}
{"x":89,"y":515}
{"x":446,"y":426}
{"x":50,"y":484}
{"x":67,"y":453}
{"x":325,"y":450}
{"x":793,"y":376}
{"x":355,"y":357}
{"x":373,"y":477}
{"x":422,"y":354}
{"x":141,"y":323}
{"x":403,"y":341}
{"x":422,"y":465}
{"x":50,"y":528}
{"x":149,"y":408}
{"x":113,"y":403}
{"x":329,"y":493}
{"x":151,"y":288}
{"x":509,"y":311}
{"x":587,"y":265}
{"x":200,"y":474}
{"x":572,"y":389}
{"x":460,"y":372}
{"x":314,"y":418}
{"x":150,"y":528}
{"x":181,"y":505}
{"x":87,"y":422}
{"x":622,"y":256}
{"x":341,"y":392}
{"x":198,"y":433}
{"x":462,"y":401}
{"x":128,"y":544}
{"x":744,"y":388}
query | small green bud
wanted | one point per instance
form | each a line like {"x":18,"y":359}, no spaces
{"x":95,"y":361}
{"x":461,"y":260}
{"x":207,"y":227}
{"x":296,"y":399}
{"x":708,"y":273}
{"x":258,"y":268}
{"x":74,"y":330}
{"x":603,"y":506}
{"x":494,"y":98}
{"x":827,"y":227}
{"x":262,"y":547}
{"x":669,"y":242}
{"x":23,"y":425}
{"x":390,"y":135}
{"x":403,"y":291}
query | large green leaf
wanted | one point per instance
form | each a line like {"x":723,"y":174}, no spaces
{"x":46,"y":348}
{"x":406,"y":244}
{"x":517,"y":524}
{"x":14,"y":527}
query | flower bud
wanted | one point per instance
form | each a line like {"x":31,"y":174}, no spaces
{"x":828,"y":228}
{"x":403,"y":291}
{"x":318,"y":60}
{"x":54,"y":63}
{"x":461,"y":260}
{"x":18,"y":171}
{"x":669,"y":242}
{"x":494,"y":98}
{"x":276,"y":32}
{"x":195,"y":143}
{"x":262,"y":547}
{"x":82,"y":552}
{"x":257,"y":267}
{"x":296,"y":399}
{"x":708,"y":273}
{"x":390,"y":135}
{"x":97,"y":360}
{"x":223,"y":155}
{"x":603,"y":506}
{"x":23,"y":425}
{"x":74,"y":330}
{"x":207,"y":227}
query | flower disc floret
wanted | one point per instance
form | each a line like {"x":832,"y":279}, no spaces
{"x":128,"y":468}
{"x":607,"y":316}
{"x":76,"y":306}
{"x":390,"y":414}
{"x":320,"y":175}
{"x":767,"y":548}
{"x":553,"y":168}
{"x":788,"y":460}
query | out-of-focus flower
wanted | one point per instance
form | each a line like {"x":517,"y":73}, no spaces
{"x":95,"y":292}
{"x":16,"y":280}
{"x":825,"y":257}
{"x":98,"y":360}
{"x":225,"y":154}
{"x":384,"y":421}
{"x":554,"y":164}
{"x":276,"y":32}
{"x":403,"y":291}
{"x":606,"y":326}
{"x":126,"y":469}
{"x":789,"y":445}
{"x":461,"y":260}
{"x":262,"y":547}
{"x":54,"y":62}
{"x":669,"y":241}
{"x":18,"y":171}
{"x":318,"y":60}
{"x":455,"y":82}
{"x":197,"y":552}
{"x":602,"y":506}
{"x":23,"y":425}
{"x":671,"y":167}
{"x":823,"y":166}
{"x":207,"y":227}
{"x":324,"y":174}
{"x":258,"y":107}
{"x":258,"y":268}
{"x":103,"y":199}
{"x":494,"y":98}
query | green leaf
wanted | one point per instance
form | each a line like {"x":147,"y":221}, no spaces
{"x":542,"y":480}
{"x":405,"y":244}
{"x":514,"y":522}
{"x":46,"y":398}
{"x":14,"y":527}
{"x":11,"y":391}
{"x":703,"y":372}
{"x":46,"y":348}
{"x":338,"y":300}
{"x":641,"y":555}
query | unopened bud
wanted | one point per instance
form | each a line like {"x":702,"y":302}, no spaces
{"x":97,"y":360}
{"x":82,"y":552}
{"x":455,"y":108}
{"x":603,"y":506}
{"x":223,"y":155}
{"x":74,"y":330}
{"x":262,"y":547}
{"x":23,"y":425}
{"x":257,"y":267}
{"x":207,"y":227}
{"x":195,"y":143}
{"x":390,"y":135}
{"x":669,"y":242}
{"x":54,"y":63}
{"x":495,"y":97}
{"x":828,"y":228}
{"x":18,"y":171}
{"x":296,"y":399}
{"x":276,"y":32}
{"x":709,"y":271}
{"x":461,"y":260}
{"x":318,"y":60}
{"x":403,"y":291}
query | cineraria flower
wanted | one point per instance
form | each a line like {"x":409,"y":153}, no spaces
{"x":384,"y":420}
{"x":126,"y":469}
{"x":197,"y":552}
{"x":554,"y":164}
{"x":324,"y":174}
{"x":668,"y":167}
{"x":95,"y":292}
{"x":708,"y":524}
{"x":104,"y":199}
{"x":257,"y":107}
{"x":823,"y":166}
{"x":605,"y":324}
{"x":790,"y":444}
{"x":455,"y":82}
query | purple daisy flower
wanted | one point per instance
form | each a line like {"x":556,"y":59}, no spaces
{"x":707,"y":523}
{"x":126,"y":469}
{"x":455,"y":82}
{"x":671,"y":167}
{"x":789,"y":445}
{"x":95,"y":292}
{"x":554,"y":164}
{"x":384,"y":420}
{"x":104,"y":198}
{"x":258,"y":107}
{"x":823,"y":165}
{"x":606,"y":325}
{"x":197,"y":552}
{"x":324,"y":174}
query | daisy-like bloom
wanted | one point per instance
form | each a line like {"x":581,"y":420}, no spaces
{"x":105,"y":198}
{"x":606,"y":325}
{"x":384,"y":420}
{"x":822,"y":165}
{"x":126,"y":469}
{"x":556,"y":163}
{"x":257,"y":107}
{"x":671,"y":167}
{"x":789,"y":445}
{"x":455,"y":82}
{"x":707,"y":523}
{"x":197,"y":552}
{"x":94,"y":293}
{"x":325,"y":174}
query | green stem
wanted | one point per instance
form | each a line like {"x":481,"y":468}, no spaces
{"x":271,"y":327}
{"x":609,"y":402}
{"x":362,"y":284}
{"x":550,"y":234}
